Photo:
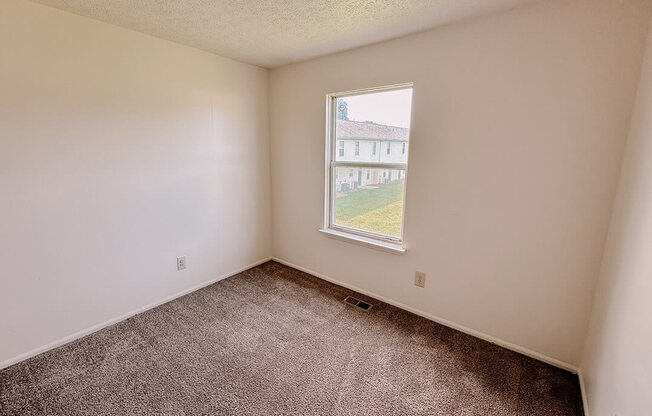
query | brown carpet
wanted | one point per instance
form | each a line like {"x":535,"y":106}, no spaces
{"x":276,"y":341}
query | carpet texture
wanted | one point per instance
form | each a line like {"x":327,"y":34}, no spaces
{"x":276,"y":341}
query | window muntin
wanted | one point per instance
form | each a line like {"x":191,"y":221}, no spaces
{"x":369,"y":204}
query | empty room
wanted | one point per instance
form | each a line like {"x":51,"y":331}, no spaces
{"x":302,"y":207}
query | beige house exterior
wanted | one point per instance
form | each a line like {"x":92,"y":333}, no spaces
{"x":368,"y":142}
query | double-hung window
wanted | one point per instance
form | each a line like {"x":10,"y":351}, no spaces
{"x":370,"y":210}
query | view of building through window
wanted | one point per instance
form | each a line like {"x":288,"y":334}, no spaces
{"x":369,"y":184}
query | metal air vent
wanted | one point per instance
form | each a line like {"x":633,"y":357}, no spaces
{"x":358,"y":303}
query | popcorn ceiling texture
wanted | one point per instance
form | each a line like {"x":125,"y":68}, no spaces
{"x":271,"y":33}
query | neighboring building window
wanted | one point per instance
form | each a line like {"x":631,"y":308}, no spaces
{"x":374,"y":211}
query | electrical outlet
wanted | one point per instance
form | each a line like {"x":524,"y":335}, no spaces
{"x":420,"y":279}
{"x":181,"y":263}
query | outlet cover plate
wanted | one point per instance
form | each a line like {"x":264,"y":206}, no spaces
{"x":181,"y":263}
{"x":420,"y":279}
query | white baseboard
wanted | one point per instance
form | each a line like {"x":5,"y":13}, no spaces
{"x":472,"y":332}
{"x":510,"y":346}
{"x":585,"y":399}
{"x":95,"y":328}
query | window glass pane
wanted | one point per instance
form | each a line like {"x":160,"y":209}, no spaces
{"x":369,"y":199}
{"x":367,"y":121}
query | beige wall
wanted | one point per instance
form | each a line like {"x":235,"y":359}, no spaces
{"x":519,"y":125}
{"x":118,"y":153}
{"x":617,"y":362}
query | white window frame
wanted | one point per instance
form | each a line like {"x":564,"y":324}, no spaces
{"x":384,"y":242}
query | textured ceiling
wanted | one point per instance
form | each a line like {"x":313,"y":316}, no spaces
{"x":275,"y":32}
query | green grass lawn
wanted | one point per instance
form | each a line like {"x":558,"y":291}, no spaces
{"x":378,"y":210}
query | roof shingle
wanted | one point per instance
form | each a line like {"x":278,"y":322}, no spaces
{"x":347,"y":129}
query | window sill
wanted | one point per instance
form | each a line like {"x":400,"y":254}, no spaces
{"x":364,"y":241}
